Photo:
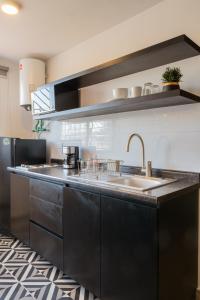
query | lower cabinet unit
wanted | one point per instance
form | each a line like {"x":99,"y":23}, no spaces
{"x":178,"y":247}
{"x":81,"y":219}
{"x":149,"y":253}
{"x":47,"y":244}
{"x":47,"y":214}
{"x":20,"y":207}
{"x":129,"y":251}
{"x":119,"y":249}
{"x":46,"y":228}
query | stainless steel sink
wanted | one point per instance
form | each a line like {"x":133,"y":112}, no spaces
{"x":127,"y":182}
{"x":138,"y":182}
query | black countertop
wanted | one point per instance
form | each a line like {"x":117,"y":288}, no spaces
{"x":185,"y":182}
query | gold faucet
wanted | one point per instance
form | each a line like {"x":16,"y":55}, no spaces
{"x":145,"y":169}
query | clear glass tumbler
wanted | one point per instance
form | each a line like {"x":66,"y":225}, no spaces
{"x":147,"y":88}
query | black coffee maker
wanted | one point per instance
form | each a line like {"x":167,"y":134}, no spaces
{"x":72,"y":156}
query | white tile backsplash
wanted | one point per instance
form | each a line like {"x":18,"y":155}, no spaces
{"x":171,"y":134}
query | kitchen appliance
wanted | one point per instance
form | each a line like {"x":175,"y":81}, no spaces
{"x":72,"y":156}
{"x":14,"y":152}
{"x":31,"y":76}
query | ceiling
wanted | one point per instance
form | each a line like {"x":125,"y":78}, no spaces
{"x":44,"y":28}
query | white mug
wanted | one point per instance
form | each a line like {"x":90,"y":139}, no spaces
{"x":135,"y":91}
{"x":120,"y":93}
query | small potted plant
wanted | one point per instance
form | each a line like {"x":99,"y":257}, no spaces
{"x":171,"y":78}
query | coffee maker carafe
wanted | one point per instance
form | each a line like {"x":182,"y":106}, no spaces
{"x":72,"y":156}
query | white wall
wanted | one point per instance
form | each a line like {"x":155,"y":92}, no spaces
{"x":165,"y":20}
{"x":172,"y":135}
{"x":14,"y":120}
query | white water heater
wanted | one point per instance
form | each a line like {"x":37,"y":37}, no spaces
{"x":31,"y":76}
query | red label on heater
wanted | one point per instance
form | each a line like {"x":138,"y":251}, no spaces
{"x":20,"y":66}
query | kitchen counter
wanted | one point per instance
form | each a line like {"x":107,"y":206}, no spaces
{"x":185,"y":182}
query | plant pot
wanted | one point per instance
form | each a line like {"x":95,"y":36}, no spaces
{"x":168,"y":86}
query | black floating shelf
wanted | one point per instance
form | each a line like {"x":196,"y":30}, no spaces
{"x":164,"y":99}
{"x":166,"y":52}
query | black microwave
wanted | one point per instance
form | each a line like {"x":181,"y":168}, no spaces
{"x":51,"y":98}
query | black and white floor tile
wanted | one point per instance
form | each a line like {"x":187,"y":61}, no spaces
{"x":24,"y":275}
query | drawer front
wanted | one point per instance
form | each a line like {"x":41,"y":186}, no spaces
{"x":47,"y":245}
{"x":50,"y":192}
{"x":47,"y":214}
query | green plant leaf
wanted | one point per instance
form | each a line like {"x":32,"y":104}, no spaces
{"x":172,"y":75}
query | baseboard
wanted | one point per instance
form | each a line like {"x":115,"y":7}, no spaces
{"x":198,"y":294}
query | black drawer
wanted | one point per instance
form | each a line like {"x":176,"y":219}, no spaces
{"x":47,"y":214}
{"x":47,"y":245}
{"x":50,"y":192}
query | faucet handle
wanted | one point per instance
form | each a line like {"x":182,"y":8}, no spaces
{"x":149,"y":169}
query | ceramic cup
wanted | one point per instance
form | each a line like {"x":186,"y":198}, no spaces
{"x":135,"y":91}
{"x":120,"y":93}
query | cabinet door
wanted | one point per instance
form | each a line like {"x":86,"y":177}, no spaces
{"x":81,"y":217}
{"x":128,"y":266}
{"x":20,"y":207}
{"x":178,"y":247}
{"x":47,"y":244}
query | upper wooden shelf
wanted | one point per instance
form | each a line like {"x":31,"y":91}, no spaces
{"x":172,"y":50}
{"x":164,"y":99}
{"x":169,"y":51}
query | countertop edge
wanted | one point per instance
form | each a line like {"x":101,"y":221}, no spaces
{"x":180,"y":187}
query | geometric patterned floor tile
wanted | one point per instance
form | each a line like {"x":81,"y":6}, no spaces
{"x":20,"y":256}
{"x":6,"y":279}
{"x":67,"y":285}
{"x":32,"y":285}
{"x":15,"y":291}
{"x":24,"y":275}
{"x":48,"y":270}
{"x":81,"y":293}
{"x":4,"y":254}
{"x":27,"y":273}
{"x":50,"y":291}
{"x":7,"y":243}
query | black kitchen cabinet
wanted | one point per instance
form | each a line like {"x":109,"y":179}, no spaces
{"x":178,"y":247}
{"x":47,"y":244}
{"x":129,"y":251}
{"x":20,"y":207}
{"x":118,"y":248}
{"x":81,"y":219}
{"x":46,"y":224}
{"x":48,"y":191}
{"x":46,"y":204}
{"x":149,"y":253}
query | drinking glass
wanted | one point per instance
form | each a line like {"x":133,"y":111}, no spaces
{"x":147,"y":88}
